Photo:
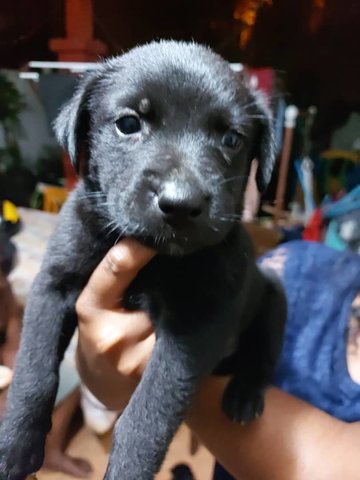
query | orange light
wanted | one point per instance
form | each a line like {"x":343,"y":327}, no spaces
{"x":317,"y":15}
{"x":246,"y":12}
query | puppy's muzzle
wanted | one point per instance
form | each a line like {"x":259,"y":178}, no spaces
{"x":182,"y":204}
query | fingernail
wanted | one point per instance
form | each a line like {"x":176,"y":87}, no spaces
{"x":129,"y":254}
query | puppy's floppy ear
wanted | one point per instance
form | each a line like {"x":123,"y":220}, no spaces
{"x":264,"y":141}
{"x":73,"y":122}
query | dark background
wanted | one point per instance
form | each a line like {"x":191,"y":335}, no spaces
{"x":321,"y":68}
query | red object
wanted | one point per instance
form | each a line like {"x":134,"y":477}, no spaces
{"x":314,"y":229}
{"x":283,"y":173}
{"x":79,"y":44}
{"x":70,"y":175}
{"x":265,"y":79}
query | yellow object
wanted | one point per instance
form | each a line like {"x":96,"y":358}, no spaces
{"x":54,"y":197}
{"x":10,"y":213}
{"x":344,"y":154}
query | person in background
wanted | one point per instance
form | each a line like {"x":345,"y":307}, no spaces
{"x":10,"y":314}
{"x":310,"y":427}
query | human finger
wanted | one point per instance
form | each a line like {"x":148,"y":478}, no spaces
{"x":102,"y":332}
{"x":113,"y":275}
{"x":6,"y":375}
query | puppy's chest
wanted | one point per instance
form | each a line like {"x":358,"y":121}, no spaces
{"x":182,"y":294}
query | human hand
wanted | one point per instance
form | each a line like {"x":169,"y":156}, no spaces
{"x":114,"y":344}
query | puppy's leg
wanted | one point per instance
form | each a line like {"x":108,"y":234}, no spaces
{"x":49,"y":323}
{"x":48,"y":326}
{"x":258,"y":350}
{"x":156,"y":409}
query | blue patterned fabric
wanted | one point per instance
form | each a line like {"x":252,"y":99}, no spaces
{"x":320,"y":284}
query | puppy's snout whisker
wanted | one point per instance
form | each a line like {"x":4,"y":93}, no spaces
{"x":239,"y":178}
{"x":231,"y":215}
{"x":228,"y":218}
{"x":213,"y":228}
{"x":93,"y":195}
{"x":111,"y":228}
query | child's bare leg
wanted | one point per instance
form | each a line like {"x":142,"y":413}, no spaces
{"x":55,"y":456}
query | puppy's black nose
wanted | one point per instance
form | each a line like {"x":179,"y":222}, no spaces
{"x":180,"y":205}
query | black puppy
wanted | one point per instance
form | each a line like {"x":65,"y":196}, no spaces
{"x":163,"y":137}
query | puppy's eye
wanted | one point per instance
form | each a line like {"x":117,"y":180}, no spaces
{"x":232,"y":139}
{"x":128,"y":124}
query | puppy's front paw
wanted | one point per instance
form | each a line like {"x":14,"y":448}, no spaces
{"x":242,"y":404}
{"x":21,"y":456}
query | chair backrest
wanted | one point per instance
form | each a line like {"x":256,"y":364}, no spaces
{"x":54,"y":197}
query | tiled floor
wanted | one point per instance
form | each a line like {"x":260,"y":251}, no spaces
{"x":86,"y":445}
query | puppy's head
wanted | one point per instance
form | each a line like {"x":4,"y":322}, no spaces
{"x":167,"y":133}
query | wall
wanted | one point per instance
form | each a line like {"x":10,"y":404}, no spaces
{"x":35,"y":131}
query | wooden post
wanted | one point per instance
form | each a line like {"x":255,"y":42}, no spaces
{"x":79,"y":44}
{"x":291,"y":114}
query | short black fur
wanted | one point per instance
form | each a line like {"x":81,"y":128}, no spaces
{"x":177,"y":186}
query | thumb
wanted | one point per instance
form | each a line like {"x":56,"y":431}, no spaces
{"x":114,"y":274}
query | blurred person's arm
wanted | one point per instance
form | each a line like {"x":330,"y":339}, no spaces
{"x":13,"y":333}
{"x":290,"y":441}
{"x":10,"y":322}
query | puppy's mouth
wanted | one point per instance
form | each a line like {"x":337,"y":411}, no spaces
{"x":175,"y":238}
{"x":167,"y":246}
{"x":175,"y":246}
{"x":179,"y":243}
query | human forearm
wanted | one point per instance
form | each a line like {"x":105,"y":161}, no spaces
{"x":13,"y":333}
{"x":291,"y":441}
